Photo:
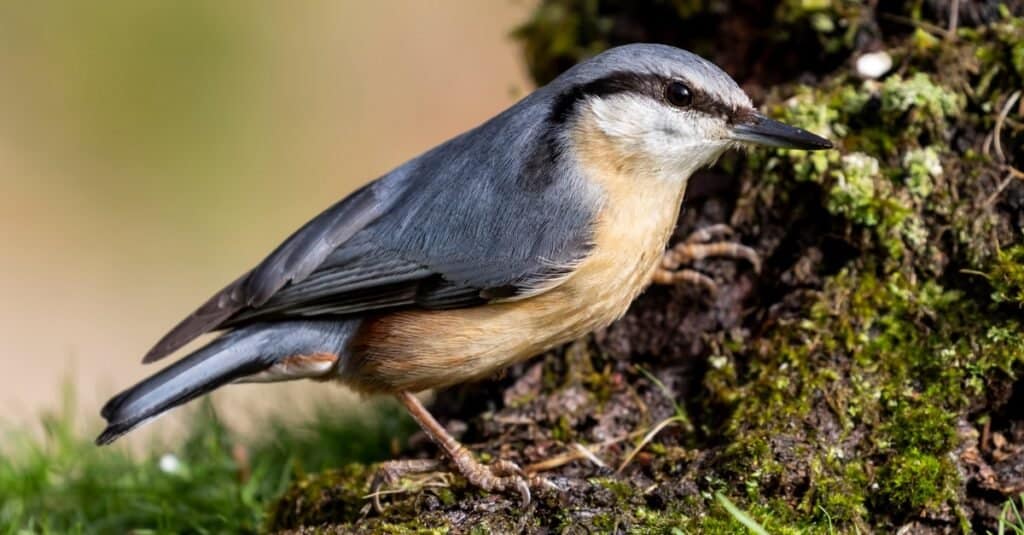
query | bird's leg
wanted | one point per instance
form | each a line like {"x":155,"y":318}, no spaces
{"x":704,"y":243}
{"x":501,"y":476}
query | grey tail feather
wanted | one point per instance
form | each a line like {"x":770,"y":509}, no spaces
{"x":236,"y":354}
{"x":222,"y":361}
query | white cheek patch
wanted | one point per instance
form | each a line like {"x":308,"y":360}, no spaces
{"x":627,"y":117}
{"x":674,"y":142}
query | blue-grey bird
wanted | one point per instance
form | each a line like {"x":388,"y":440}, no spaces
{"x":528,"y":231}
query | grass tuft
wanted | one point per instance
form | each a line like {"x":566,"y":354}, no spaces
{"x":211,"y":482}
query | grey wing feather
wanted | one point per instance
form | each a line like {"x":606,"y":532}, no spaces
{"x":293,"y":260}
{"x":487,"y":214}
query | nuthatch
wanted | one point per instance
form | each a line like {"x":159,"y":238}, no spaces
{"x":538,"y":226}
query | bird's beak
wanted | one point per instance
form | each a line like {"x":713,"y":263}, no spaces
{"x":760,"y":130}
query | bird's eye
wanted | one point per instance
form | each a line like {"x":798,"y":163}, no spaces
{"x":678,"y":94}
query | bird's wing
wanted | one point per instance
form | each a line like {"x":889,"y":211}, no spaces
{"x":432,"y":234}
{"x":293,"y":260}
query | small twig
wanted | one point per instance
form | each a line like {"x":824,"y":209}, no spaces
{"x":387,"y":492}
{"x":647,"y":439}
{"x":434,"y":480}
{"x":999,"y":123}
{"x":552,"y":462}
{"x":514,"y":420}
{"x":570,"y":456}
{"x":999,"y":189}
{"x":588,"y":455}
{"x":937,"y":30}
{"x":954,"y":17}
{"x":1014,"y":171}
{"x":975,"y":273}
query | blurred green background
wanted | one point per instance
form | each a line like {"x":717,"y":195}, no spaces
{"x":152,"y":151}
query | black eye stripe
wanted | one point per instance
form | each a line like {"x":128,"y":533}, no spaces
{"x":651,"y":85}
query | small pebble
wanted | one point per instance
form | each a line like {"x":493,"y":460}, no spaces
{"x":874,"y":64}
{"x":169,"y":464}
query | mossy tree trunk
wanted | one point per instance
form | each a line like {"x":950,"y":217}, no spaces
{"x":865,"y":380}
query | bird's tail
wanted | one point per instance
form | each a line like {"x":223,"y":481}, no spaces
{"x":261,"y":352}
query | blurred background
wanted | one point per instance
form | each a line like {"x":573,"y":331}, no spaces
{"x":150,"y":152}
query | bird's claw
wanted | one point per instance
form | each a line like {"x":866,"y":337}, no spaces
{"x":708,"y":242}
{"x":500,"y":476}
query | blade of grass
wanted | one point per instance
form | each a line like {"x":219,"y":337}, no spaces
{"x":739,"y":515}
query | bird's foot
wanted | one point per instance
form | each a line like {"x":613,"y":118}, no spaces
{"x":394,"y":477}
{"x":708,"y":242}
{"x":499,"y":476}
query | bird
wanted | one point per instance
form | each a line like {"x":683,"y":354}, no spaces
{"x":526,"y":232}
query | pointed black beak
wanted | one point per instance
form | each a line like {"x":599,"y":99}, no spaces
{"x":760,"y":130}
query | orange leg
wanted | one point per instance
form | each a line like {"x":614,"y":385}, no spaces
{"x":501,"y":476}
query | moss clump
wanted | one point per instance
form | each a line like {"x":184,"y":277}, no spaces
{"x":921,"y":427}
{"x":931,"y":102}
{"x":886,"y":177}
{"x":910,"y":353}
{"x":854,"y":193}
{"x":331,"y":495}
{"x":912,"y":481}
{"x":922,"y":166}
{"x":1007,"y":276}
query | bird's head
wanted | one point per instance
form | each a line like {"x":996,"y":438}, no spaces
{"x":664,"y":109}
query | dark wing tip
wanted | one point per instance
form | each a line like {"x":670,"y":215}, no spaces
{"x":158,"y":352}
{"x":206,"y":318}
{"x":189,"y":329}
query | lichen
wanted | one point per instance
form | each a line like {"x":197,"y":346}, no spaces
{"x":920,"y":93}
{"x":921,"y":167}
{"x":854,"y":193}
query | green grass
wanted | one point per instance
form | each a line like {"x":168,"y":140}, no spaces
{"x":62,"y":483}
{"x":1010,"y":518}
{"x":740,"y":515}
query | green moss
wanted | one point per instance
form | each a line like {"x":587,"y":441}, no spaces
{"x":854,"y":192}
{"x":912,"y":481}
{"x":920,"y":427}
{"x":1007,"y":276}
{"x":331,"y":495}
{"x":834,"y":22}
{"x":933,"y":102}
{"x":622,"y":490}
{"x":1000,"y":45}
{"x":921,"y":166}
{"x":838,"y":494}
{"x":914,"y":354}
{"x":885,"y":178}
